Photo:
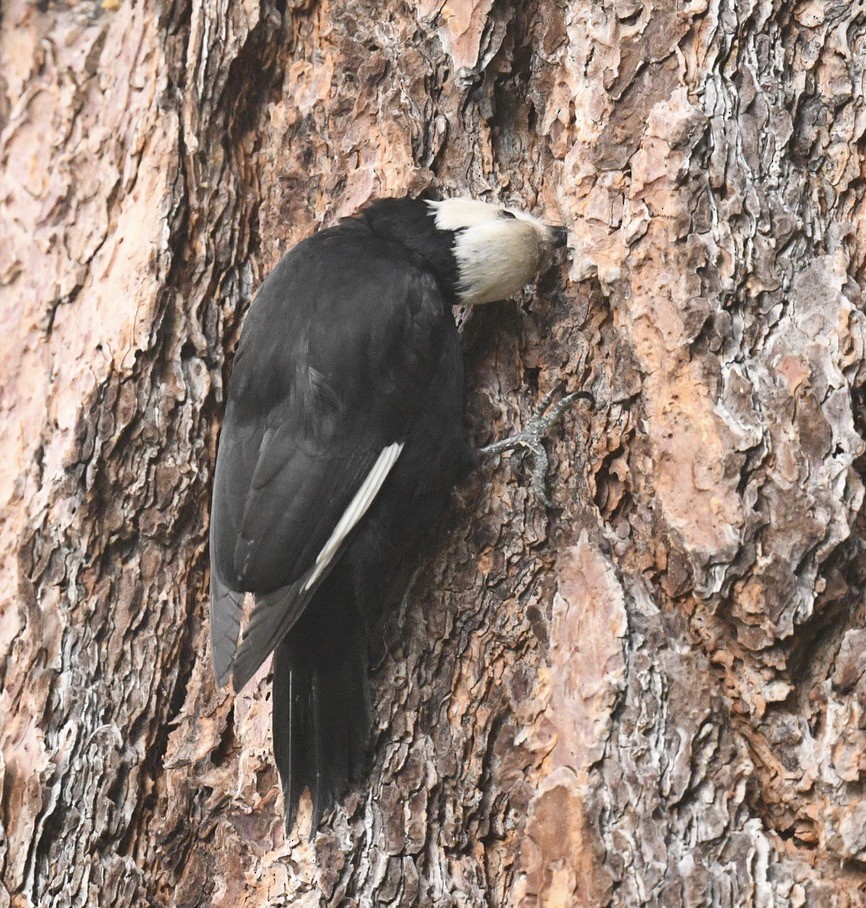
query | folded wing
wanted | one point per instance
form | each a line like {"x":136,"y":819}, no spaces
{"x":321,"y":402}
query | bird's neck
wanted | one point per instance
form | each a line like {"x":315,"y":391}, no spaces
{"x":411,"y":224}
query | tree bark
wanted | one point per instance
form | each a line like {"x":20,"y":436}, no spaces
{"x":653,"y":694}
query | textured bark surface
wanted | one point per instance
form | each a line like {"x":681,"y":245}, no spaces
{"x":654,"y":694}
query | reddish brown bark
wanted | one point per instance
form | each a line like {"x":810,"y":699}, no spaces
{"x":653,"y":694}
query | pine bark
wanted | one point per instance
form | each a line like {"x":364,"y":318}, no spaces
{"x":652,"y":694}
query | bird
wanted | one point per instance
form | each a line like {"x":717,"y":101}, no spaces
{"x":341,"y":442}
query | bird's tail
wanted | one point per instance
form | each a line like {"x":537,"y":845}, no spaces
{"x":321,"y":705}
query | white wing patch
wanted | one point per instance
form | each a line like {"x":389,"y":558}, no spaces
{"x":357,"y":508}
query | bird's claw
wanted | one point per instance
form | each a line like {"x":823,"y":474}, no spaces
{"x":529,"y":439}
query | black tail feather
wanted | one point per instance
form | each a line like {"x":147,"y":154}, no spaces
{"x":321,"y":710}
{"x":291,"y":679}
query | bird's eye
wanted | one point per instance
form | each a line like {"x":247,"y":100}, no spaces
{"x":508,"y":214}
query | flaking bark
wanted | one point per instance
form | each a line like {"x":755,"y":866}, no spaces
{"x":654,"y":694}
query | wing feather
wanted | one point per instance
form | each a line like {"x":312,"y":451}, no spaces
{"x":275,"y":613}
{"x":357,"y":509}
{"x":226,"y":611}
{"x":335,"y":352}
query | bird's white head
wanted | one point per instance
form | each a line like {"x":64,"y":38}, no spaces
{"x":498,"y":250}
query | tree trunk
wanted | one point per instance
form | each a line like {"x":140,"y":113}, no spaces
{"x":652,"y":694}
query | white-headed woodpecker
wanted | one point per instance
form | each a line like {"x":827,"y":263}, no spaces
{"x":342,"y":439}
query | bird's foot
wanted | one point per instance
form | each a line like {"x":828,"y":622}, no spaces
{"x":529,"y":439}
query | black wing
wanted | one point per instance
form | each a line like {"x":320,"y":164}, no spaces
{"x":339,"y":345}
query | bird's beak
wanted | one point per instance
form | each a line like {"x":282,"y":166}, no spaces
{"x":560,"y":235}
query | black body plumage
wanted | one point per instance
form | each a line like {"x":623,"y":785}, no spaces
{"x":349,"y":352}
